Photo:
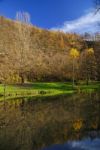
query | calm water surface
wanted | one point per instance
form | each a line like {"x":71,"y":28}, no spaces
{"x":69,"y":122}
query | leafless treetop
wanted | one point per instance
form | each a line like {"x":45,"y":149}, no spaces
{"x":23,"y":17}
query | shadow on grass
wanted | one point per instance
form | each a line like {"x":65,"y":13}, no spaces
{"x":47,"y":86}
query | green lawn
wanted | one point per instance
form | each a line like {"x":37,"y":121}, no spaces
{"x":44,"y":89}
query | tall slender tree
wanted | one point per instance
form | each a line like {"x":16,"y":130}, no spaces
{"x":24,"y":33}
{"x":74,"y":53}
{"x":88,"y":65}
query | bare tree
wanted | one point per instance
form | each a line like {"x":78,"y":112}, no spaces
{"x":97,"y":5}
{"x":24,"y":31}
{"x":23,"y":17}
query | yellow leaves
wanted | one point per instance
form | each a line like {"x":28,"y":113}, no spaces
{"x":90,"y":51}
{"x":74,"y":53}
{"x":78,"y":124}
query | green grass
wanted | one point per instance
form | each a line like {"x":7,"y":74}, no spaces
{"x":35,"y":89}
{"x":91,"y":87}
{"x":44,"y":89}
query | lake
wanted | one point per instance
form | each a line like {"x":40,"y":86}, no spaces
{"x":66,"y":122}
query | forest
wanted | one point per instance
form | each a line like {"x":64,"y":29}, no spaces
{"x":29,"y":53}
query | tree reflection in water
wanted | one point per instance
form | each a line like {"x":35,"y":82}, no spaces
{"x":37,"y":123}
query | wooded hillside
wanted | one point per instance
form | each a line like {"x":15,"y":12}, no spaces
{"x":30,"y":53}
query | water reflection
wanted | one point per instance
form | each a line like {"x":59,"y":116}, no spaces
{"x":38,"y":123}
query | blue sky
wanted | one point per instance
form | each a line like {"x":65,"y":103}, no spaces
{"x":52,"y":14}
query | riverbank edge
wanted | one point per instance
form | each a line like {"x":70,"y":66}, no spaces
{"x":44,"y":89}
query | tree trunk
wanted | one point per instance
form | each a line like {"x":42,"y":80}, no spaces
{"x":73,"y":73}
{"x":87,"y":81}
{"x":22,"y":79}
{"x":4,"y":91}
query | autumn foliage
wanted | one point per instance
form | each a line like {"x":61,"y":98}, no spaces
{"x":43,"y":55}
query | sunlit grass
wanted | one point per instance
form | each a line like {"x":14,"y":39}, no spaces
{"x":45,"y":89}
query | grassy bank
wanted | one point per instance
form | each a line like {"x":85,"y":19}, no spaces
{"x":44,"y":89}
